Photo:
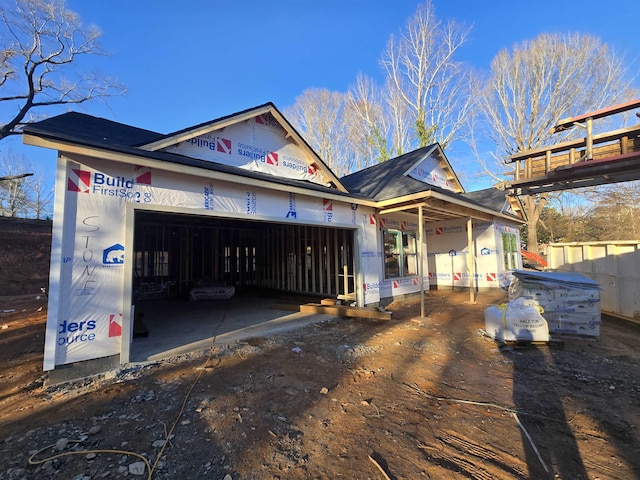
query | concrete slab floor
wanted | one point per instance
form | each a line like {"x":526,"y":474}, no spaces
{"x":177,"y":326}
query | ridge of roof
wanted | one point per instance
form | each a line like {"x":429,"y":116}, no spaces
{"x":220,"y":119}
{"x":389,"y":179}
{"x":394,"y":162}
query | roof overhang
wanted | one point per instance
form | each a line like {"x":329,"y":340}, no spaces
{"x":439,"y":207}
{"x":130,"y":158}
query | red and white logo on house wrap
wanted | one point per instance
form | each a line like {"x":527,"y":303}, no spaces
{"x":115,"y":325}
{"x":457,"y":276}
{"x":372,"y":219}
{"x":383,"y":222}
{"x":415,"y":281}
{"x":272,"y":158}
{"x":312,"y":169}
{"x":79,"y":181}
{"x":143,"y":175}
{"x":327,"y":205}
{"x":261,"y":119}
{"x":430,"y":275}
{"x":396,"y":284}
{"x":403,"y":225}
{"x":223,"y":145}
{"x":492,"y":277}
{"x":439,"y":230}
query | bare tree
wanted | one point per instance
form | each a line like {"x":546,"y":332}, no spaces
{"x":318,"y":115}
{"x":41,"y":195}
{"x":616,"y":211}
{"x":24,"y":191}
{"x":40,"y":41}
{"x":540,"y":82}
{"x":424,"y":99}
{"x":425,"y":76}
{"x":14,"y":194}
{"x":367,"y":125}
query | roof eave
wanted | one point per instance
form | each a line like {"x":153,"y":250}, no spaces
{"x":65,"y":146}
{"x":408,"y":202}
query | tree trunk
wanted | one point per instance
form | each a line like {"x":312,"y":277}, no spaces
{"x":533,"y":206}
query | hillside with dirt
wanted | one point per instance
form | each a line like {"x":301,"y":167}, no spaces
{"x":407,"y":398}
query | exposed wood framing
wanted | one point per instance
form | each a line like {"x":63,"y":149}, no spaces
{"x":296,"y":258}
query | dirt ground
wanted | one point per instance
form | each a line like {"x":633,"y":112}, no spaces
{"x":408,"y":398}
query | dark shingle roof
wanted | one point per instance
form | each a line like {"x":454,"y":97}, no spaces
{"x":489,"y":197}
{"x":383,"y":181}
{"x":387,"y":180}
{"x":81,"y":129}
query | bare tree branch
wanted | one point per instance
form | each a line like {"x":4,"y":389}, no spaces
{"x":423,"y":74}
{"x":538,"y":83}
{"x":40,"y":40}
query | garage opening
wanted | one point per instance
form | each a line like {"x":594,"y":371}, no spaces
{"x":265,"y":263}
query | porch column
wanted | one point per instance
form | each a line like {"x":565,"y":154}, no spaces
{"x":471,"y":258}
{"x":420,"y":258}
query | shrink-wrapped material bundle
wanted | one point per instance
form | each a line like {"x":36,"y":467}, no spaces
{"x":570,"y":300}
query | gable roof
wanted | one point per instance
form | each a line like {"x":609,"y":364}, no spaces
{"x":85,"y":134}
{"x":498,"y":200}
{"x":185,"y":134}
{"x":393,"y":188}
{"x":387,"y":186}
{"x":92,"y":131}
{"x":391,"y":178}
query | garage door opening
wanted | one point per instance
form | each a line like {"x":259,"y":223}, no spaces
{"x":264,"y":264}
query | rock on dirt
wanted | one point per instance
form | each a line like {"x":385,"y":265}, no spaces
{"x":407,"y":398}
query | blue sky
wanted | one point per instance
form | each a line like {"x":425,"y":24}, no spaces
{"x":187,"y":62}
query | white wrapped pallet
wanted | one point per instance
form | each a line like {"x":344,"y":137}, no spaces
{"x":571,"y":301}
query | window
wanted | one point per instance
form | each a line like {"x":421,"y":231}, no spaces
{"x":510,"y":250}
{"x":152,"y":264}
{"x":400,"y":254}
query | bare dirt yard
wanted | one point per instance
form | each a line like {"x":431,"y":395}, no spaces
{"x":408,"y":398}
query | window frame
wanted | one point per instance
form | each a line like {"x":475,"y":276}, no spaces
{"x":397,"y":255}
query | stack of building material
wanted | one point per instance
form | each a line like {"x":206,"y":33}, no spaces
{"x":570,"y":300}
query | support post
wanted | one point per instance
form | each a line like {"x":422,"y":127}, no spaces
{"x":421,"y":257}
{"x":471,"y":260}
{"x":589,"y":141}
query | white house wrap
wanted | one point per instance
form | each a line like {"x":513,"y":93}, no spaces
{"x":244,"y":201}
